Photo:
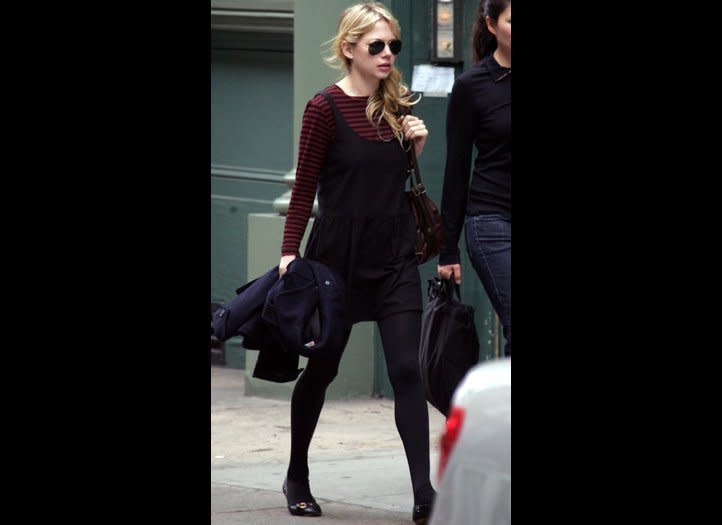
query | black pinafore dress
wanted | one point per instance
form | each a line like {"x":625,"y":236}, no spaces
{"x":364,"y":228}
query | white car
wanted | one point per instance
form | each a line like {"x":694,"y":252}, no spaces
{"x":474,"y":472}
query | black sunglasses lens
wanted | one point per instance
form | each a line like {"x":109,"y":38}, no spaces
{"x":376,"y":47}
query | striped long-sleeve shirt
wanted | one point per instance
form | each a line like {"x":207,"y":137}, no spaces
{"x":317,"y":131}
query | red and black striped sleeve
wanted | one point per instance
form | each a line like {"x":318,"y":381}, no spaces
{"x":317,"y":131}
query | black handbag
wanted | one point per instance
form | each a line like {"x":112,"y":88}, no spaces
{"x":449,"y":342}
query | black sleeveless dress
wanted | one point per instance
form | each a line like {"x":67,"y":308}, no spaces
{"x":364,"y":229}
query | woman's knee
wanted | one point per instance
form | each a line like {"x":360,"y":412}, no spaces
{"x":404,"y":374}
{"x":320,"y":372}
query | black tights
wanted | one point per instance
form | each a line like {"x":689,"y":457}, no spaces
{"x":400,"y":338}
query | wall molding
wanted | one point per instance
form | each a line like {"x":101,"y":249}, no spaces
{"x":225,"y":171}
{"x":262,"y":26}
{"x":251,"y":21}
{"x":255,"y":5}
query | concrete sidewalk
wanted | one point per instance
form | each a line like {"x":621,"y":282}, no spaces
{"x":358,"y":468}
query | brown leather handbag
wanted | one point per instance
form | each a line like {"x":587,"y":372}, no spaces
{"x":429,"y":231}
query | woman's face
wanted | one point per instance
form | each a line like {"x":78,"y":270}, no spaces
{"x":502,"y":30}
{"x":375,"y":66}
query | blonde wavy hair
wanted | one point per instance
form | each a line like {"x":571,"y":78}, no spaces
{"x":392,"y":95}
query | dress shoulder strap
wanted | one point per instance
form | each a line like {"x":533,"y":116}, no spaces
{"x":325,"y":94}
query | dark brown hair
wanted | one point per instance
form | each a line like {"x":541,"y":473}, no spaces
{"x":483,"y":42}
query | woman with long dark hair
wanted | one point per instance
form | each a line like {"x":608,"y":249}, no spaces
{"x":479,"y":114}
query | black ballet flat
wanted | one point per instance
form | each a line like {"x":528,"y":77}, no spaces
{"x":421,"y":513}
{"x":302,"y":508}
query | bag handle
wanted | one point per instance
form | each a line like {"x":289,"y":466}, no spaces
{"x":452,"y":285}
{"x":444,"y":286}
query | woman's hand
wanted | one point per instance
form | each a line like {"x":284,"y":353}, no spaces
{"x":445,"y":272}
{"x":414,"y":129}
{"x":285,"y":261}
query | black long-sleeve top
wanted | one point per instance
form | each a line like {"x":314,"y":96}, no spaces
{"x":479,"y":114}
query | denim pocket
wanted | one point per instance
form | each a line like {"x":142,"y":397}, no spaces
{"x":488,"y":228}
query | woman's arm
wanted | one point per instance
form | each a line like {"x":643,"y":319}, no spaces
{"x":317,"y":130}
{"x":462,"y":123}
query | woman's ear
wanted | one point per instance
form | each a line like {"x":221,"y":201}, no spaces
{"x":347,"y":50}
{"x":490,"y":25}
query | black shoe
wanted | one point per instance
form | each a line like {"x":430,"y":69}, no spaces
{"x":421,"y":513}
{"x":301,"y":508}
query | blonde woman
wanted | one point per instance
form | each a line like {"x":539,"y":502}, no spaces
{"x":352,"y":151}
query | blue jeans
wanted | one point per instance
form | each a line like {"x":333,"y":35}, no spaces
{"x":488,"y":243}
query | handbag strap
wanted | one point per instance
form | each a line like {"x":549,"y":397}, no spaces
{"x":417,"y":187}
{"x":414,"y":167}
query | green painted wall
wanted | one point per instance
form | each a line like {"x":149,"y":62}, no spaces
{"x":232,"y":199}
{"x":251,"y":105}
{"x":251,"y":150}
{"x":314,"y":23}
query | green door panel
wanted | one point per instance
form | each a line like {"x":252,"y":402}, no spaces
{"x":252,"y":109}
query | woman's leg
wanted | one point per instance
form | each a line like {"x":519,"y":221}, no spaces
{"x":400,"y":335}
{"x":306,"y":403}
{"x":488,"y":243}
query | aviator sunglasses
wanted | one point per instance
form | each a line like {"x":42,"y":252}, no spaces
{"x":377,"y":46}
